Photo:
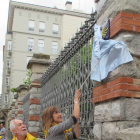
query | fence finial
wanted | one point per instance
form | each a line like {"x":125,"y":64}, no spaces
{"x":92,"y":10}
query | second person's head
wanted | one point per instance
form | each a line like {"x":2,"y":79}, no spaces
{"x":49,"y":116}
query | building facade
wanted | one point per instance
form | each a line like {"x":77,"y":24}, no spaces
{"x":33,"y":29}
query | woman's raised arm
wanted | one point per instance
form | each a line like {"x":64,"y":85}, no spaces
{"x":76,"y":112}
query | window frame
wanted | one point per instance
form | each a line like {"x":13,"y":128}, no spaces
{"x":9,"y":48}
{"x":29,"y":44}
{"x":7,"y":81}
{"x":31,"y":29}
{"x":55,"y":33}
{"x":7,"y":63}
{"x":41,"y":31}
{"x":6,"y":101}
{"x":40,"y":47}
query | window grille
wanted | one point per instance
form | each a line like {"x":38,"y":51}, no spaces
{"x":30,"y":44}
{"x":40,"y":46}
{"x":7,"y":81}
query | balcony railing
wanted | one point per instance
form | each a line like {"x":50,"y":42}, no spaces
{"x":7,"y":88}
{"x":9,"y":52}
{"x":31,"y":29}
{"x":55,"y":33}
{"x":30,"y":47}
{"x":42,"y":30}
{"x":8,"y":71}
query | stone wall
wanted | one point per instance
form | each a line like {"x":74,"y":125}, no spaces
{"x":117,"y":98}
{"x":38,"y":64}
{"x":117,"y":107}
{"x":129,"y":134}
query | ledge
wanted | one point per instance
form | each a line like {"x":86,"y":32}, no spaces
{"x":128,"y":134}
{"x":121,"y":87}
{"x":125,"y":22}
{"x":39,"y":59}
{"x":19,"y":88}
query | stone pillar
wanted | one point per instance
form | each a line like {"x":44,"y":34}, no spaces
{"x":38,"y":65}
{"x":117,"y":98}
{"x":16,"y":109}
{"x":22,"y":90}
{"x":9,"y":118}
{"x":20,"y":108}
{"x":13,"y":110}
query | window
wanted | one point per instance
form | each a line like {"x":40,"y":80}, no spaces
{"x":6,"y":99}
{"x":54,"y":47}
{"x":55,"y":30}
{"x":28,"y":58}
{"x":9,"y":45}
{"x":41,"y":46}
{"x":30,"y":44}
{"x":31,"y":25}
{"x":7,"y":81}
{"x":41,"y":27}
{"x":8,"y":63}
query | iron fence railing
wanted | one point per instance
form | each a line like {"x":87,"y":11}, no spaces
{"x":66,"y":74}
{"x":26,"y":108}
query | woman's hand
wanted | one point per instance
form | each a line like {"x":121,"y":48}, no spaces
{"x":77,"y":95}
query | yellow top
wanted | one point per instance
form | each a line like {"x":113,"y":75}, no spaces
{"x":29,"y":137}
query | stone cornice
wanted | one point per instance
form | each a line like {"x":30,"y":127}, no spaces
{"x":19,"y":88}
{"x":39,"y":59}
{"x":13,"y":5}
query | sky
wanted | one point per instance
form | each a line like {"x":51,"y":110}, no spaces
{"x":85,"y":5}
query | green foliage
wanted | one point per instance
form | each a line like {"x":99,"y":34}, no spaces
{"x":81,"y":59}
{"x":13,"y":90}
{"x":26,"y":80}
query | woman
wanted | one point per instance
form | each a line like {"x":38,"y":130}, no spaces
{"x":53,"y":126}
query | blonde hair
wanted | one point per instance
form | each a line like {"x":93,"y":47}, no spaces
{"x":47,"y":117}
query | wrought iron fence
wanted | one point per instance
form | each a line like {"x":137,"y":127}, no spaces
{"x":66,"y":74}
{"x":26,"y":108}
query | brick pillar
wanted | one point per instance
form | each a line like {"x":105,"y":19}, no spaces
{"x":16,"y":109}
{"x":13,"y":110}
{"x":20,"y":108}
{"x":22,"y":90}
{"x":117,"y":107}
{"x":125,"y":21}
{"x":117,"y":98}
{"x":38,"y":64}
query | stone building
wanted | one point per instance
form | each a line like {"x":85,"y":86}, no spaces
{"x":33,"y":29}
